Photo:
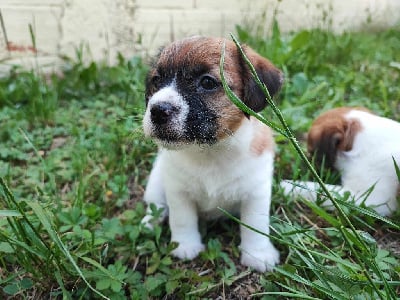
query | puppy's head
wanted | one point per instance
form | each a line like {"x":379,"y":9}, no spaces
{"x":185,"y":100}
{"x":331,"y":132}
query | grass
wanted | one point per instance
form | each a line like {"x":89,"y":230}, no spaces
{"x":74,"y":163}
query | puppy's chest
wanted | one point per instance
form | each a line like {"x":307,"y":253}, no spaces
{"x":217,"y":190}
{"x":210,"y":184}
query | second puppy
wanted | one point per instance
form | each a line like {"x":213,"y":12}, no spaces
{"x":362,"y":147}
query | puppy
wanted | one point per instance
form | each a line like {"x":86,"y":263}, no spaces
{"x":361,"y":146}
{"x":211,"y":154}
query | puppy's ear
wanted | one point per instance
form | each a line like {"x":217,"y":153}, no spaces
{"x":324,"y":146}
{"x":325,"y":140}
{"x":272,"y":77}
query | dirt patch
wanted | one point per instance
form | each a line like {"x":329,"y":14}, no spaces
{"x":389,"y":240}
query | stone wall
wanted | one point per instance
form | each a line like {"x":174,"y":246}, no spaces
{"x":98,"y":29}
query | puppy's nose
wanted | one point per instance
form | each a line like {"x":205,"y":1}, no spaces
{"x":162,"y":112}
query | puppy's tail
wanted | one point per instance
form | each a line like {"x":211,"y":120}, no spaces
{"x":310,"y":191}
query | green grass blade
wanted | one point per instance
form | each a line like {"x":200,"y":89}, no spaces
{"x":9,"y":213}
{"x":23,"y":245}
{"x":364,"y":256}
{"x":370,"y":213}
{"x":66,"y":294}
{"x":336,"y":259}
{"x":45,"y":220}
{"x":302,"y":280}
{"x":396,"y":167}
{"x":287,"y":294}
{"x":239,"y":103}
{"x":26,"y":235}
{"x":322,"y":213}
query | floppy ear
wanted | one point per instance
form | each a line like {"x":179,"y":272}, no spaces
{"x":268,"y":74}
{"x":324,"y":141}
{"x":325,"y":147}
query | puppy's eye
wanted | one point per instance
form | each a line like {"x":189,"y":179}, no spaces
{"x":208,"y":82}
{"x":156,"y":81}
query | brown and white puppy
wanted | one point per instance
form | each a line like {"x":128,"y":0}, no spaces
{"x":211,"y":154}
{"x":361,"y":146}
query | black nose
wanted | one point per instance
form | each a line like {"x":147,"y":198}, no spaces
{"x":163,"y":112}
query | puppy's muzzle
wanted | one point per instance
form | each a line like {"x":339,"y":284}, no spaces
{"x":163,"y":112}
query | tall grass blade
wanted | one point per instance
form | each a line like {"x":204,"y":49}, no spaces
{"x":9,"y":213}
{"x":45,"y":220}
{"x":66,"y":294}
{"x":364,"y":257}
{"x":287,"y":294}
{"x":295,"y":277}
{"x":332,"y":258}
{"x":396,"y":167}
{"x":26,"y":235}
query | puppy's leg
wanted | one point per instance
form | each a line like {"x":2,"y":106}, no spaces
{"x":257,"y":250}
{"x":183,"y":221}
{"x":155,"y":194}
{"x":382,"y":197}
{"x":308,"y":189}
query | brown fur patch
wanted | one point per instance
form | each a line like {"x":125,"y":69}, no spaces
{"x":262,"y":140}
{"x":230,"y":119}
{"x":332,"y":132}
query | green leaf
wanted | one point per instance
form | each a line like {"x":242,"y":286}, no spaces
{"x":300,"y":39}
{"x":11,"y":289}
{"x":10,"y":213}
{"x":153,"y":282}
{"x":106,"y":272}
{"x":154,"y":263}
{"x":6,"y":247}
{"x":322,"y":213}
{"x":112,"y":227}
{"x":171,"y":286}
{"x":116,"y":286}
{"x":26,"y":283}
{"x":103,"y":284}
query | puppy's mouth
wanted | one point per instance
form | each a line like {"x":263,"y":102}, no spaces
{"x":192,"y":133}
{"x":168,"y":138}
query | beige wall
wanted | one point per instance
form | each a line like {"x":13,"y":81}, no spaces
{"x":107,"y":27}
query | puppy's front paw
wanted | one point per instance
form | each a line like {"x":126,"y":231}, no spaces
{"x":188,"y":250}
{"x":260,"y":259}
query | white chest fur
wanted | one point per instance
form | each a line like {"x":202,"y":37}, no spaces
{"x":215,"y":176}
{"x":196,"y":181}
